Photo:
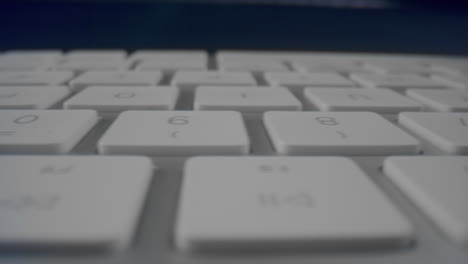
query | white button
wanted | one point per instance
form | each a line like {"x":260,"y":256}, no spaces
{"x":43,"y":131}
{"x":169,"y":55}
{"x":455,"y":68}
{"x":393,"y":67}
{"x":437,"y":185}
{"x":90,"y":65}
{"x":281,"y":203}
{"x":96,"y":55}
{"x":34,"y":55}
{"x":338,"y":66}
{"x":293,"y":79}
{"x":192,"y":79}
{"x":7,"y":64}
{"x":359,"y":99}
{"x":245,"y":99}
{"x":34,"y":78}
{"x":176,"y":133}
{"x":31,"y":97}
{"x":395,"y":81}
{"x":115,"y":79}
{"x":172,"y":65}
{"x":460,"y":82}
{"x":71,"y":201}
{"x":336,"y":133}
{"x":441,"y":100}
{"x":255,"y":66}
{"x":117,"y":99}
{"x":447,"y":131}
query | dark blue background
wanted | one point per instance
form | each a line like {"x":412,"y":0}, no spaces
{"x":138,"y":25}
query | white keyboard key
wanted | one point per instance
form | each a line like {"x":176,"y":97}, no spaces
{"x":396,"y":81}
{"x":453,"y":68}
{"x":169,"y":55}
{"x":460,"y":82}
{"x":322,"y":66}
{"x":176,"y":133}
{"x":186,"y":79}
{"x":43,"y":131}
{"x":34,"y":55}
{"x":116,"y":99}
{"x":278,"y":203}
{"x":168,"y":65}
{"x":31,"y":97}
{"x":98,"y":78}
{"x":441,"y":100}
{"x":79,"y":65}
{"x":437,"y":185}
{"x":298,"y":80}
{"x":7,"y":64}
{"x":393,"y":67}
{"x":34,"y":78}
{"x":336,"y":133}
{"x":71,"y":201}
{"x":446,"y":131}
{"x":96,"y":55}
{"x":253,"y":66}
{"x":359,"y":99}
{"x":245,"y":99}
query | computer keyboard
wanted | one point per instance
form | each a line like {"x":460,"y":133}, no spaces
{"x":237,"y":157}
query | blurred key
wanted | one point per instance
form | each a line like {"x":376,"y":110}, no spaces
{"x":437,"y":185}
{"x":256,"y":66}
{"x":34,"y":78}
{"x":169,"y":55}
{"x":446,"y":131}
{"x":441,"y":100}
{"x":299,"y":80}
{"x":393,"y":67}
{"x":336,"y":133}
{"x":171,"y":65}
{"x":43,"y":131}
{"x":324,"y":66}
{"x":31,"y":97}
{"x":187,"y":79}
{"x":460,"y":82}
{"x":96,"y":55}
{"x":280,"y":203}
{"x":71,"y":202}
{"x":99,"y":78}
{"x":396,"y":81}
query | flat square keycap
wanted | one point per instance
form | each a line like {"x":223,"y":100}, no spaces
{"x":443,"y":100}
{"x":336,"y":133}
{"x":170,"y":65}
{"x":169,"y":55}
{"x":107,"y":99}
{"x":460,"y":82}
{"x":396,"y":81}
{"x":43,"y":131}
{"x":447,"y":131}
{"x":359,"y":99}
{"x":245,"y":99}
{"x":71,"y":202}
{"x":330,"y":66}
{"x":284,"y":203}
{"x":31,"y":97}
{"x":295,"y":79}
{"x":96,"y":55}
{"x":437,"y":185}
{"x":192,"y":79}
{"x":34,"y":78}
{"x":176,"y":133}
{"x":99,"y":78}
{"x":252,"y":66}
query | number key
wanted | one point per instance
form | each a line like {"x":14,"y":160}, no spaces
{"x":336,"y":133}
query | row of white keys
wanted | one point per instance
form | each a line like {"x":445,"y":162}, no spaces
{"x":34,"y":78}
{"x":112,"y":100}
{"x":359,"y":99}
{"x":98,"y":78}
{"x":437,"y":185}
{"x":192,"y":79}
{"x":68,"y":202}
{"x":337,"y":133}
{"x":176,"y":133}
{"x":31,"y":97}
{"x":447,"y":131}
{"x":443,"y":100}
{"x":245,"y":99}
{"x":43,"y":131}
{"x":284,"y":203}
{"x":396,"y":81}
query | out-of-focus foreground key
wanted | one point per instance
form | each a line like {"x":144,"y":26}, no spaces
{"x":284,"y":203}
{"x":67,"y":202}
{"x":437,"y":185}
